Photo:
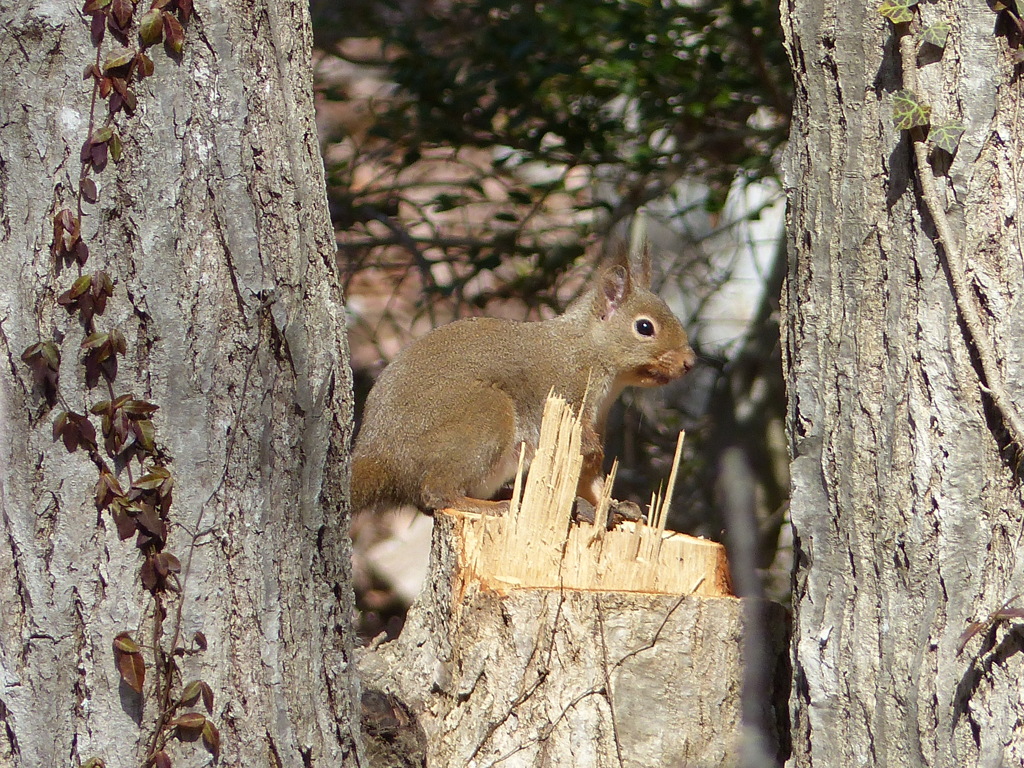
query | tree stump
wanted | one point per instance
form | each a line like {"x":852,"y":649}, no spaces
{"x":537,"y":641}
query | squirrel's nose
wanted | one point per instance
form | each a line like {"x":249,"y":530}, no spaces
{"x":687,"y":359}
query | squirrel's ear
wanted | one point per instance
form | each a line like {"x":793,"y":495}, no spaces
{"x":640,"y":269}
{"x":638,"y":265}
{"x":612,"y":290}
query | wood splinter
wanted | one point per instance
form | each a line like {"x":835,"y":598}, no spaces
{"x":537,"y":546}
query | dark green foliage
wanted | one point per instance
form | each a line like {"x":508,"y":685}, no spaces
{"x":897,"y":11}
{"x":946,"y":136}
{"x":908,"y":111}
{"x":618,"y":100}
{"x":598,"y":82}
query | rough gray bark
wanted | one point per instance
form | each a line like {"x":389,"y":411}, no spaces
{"x":906,"y":503}
{"x":547,"y":677}
{"x":215,"y":226}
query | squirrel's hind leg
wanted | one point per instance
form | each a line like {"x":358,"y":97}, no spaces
{"x":478,"y":506}
{"x":475,"y":456}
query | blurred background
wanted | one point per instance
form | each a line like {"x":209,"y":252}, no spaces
{"x":483,"y":156}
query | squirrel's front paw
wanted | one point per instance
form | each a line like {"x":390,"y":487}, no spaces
{"x":583,"y":511}
{"x":619,"y":511}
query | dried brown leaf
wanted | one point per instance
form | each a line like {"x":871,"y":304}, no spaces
{"x":89,"y":192}
{"x":130,"y":665}
{"x":207,"y":696}
{"x":98,"y":28}
{"x":174,"y":33}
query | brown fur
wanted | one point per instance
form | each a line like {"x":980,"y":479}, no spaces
{"x":444,"y":422}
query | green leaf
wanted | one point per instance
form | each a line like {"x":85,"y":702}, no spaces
{"x":936,"y":34}
{"x":118,"y":59}
{"x":80,"y":286}
{"x":447,"y":202}
{"x":51,"y":354}
{"x":118,"y":341}
{"x":147,"y":434}
{"x":520,"y":197}
{"x":32,"y":351}
{"x":897,"y":11}
{"x":139,"y":407}
{"x":131,"y":102}
{"x":45,"y":351}
{"x":95,"y":340}
{"x":124,"y":643}
{"x":166,"y":563}
{"x":908,"y":112}
{"x":946,"y":136}
{"x":191,"y":693}
{"x":190,"y":721}
{"x":151,"y":27}
{"x":59,"y":423}
{"x":149,"y":482}
{"x":103,"y":134}
{"x":104,"y":284}
{"x":211,"y":739}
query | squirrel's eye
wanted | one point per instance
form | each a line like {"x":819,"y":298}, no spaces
{"x":644,"y":327}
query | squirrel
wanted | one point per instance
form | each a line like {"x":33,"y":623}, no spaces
{"x":444,"y":422}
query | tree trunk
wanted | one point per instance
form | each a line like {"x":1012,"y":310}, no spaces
{"x":214,"y":227}
{"x":486,"y":674}
{"x":903,"y":366}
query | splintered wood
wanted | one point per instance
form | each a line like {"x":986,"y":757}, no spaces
{"x":538,"y":545}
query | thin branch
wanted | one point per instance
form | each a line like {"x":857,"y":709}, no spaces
{"x":993,"y":384}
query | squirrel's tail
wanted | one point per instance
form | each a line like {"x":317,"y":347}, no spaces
{"x":370,"y":490}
